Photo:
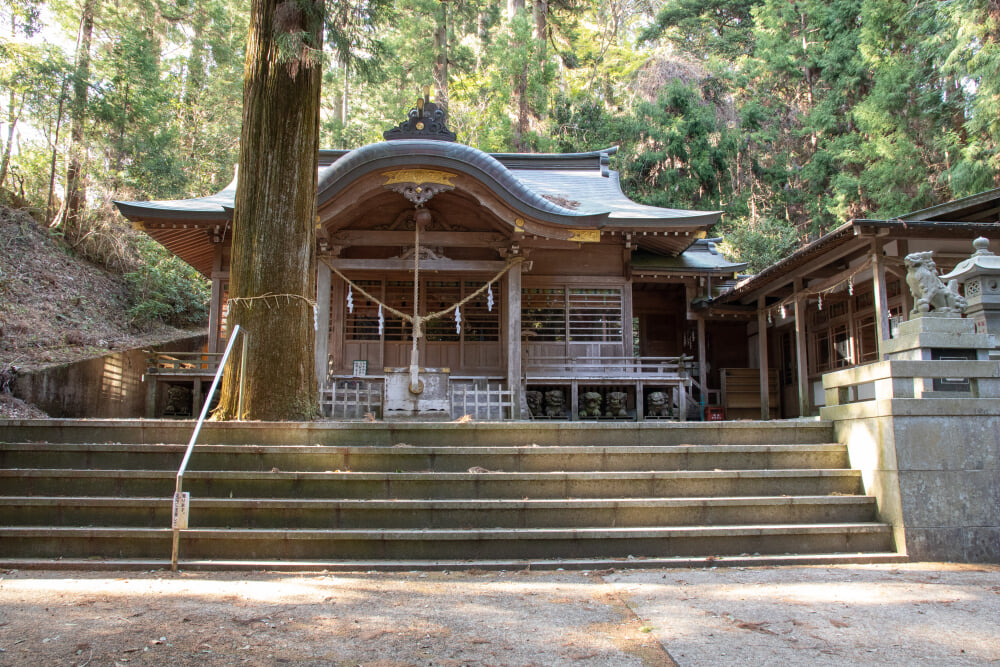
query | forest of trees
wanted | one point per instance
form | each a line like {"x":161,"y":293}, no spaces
{"x":791,"y":116}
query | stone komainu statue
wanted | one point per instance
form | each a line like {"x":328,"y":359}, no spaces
{"x":929,"y":292}
{"x":657,"y":404}
{"x":617,"y":401}
{"x":555,"y":403}
{"x":534,"y":401}
{"x":590,"y":404}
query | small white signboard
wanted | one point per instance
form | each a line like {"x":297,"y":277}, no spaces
{"x":180,"y":513}
{"x":360,"y":368}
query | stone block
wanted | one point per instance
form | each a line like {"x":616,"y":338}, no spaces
{"x":968,"y":545}
{"x":432,"y":401}
{"x":941,"y":443}
{"x":949,"y":499}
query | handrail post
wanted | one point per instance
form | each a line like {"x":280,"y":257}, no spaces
{"x":178,"y":516}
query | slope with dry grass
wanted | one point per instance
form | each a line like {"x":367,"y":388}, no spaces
{"x":57,"y":308}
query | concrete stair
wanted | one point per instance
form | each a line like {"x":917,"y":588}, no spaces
{"x":498,"y":495}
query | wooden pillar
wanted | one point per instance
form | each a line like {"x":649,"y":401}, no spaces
{"x":702,"y":364}
{"x":765,"y":388}
{"x":196,"y":397}
{"x":801,"y":352}
{"x":902,"y":250}
{"x":881,"y":304}
{"x":215,"y":305}
{"x":628,"y":343}
{"x":322,"y":322}
{"x":514,"y":339}
{"x":337,"y":335}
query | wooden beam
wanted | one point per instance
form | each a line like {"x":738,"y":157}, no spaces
{"x":702,"y":364}
{"x":514,"y":339}
{"x":902,"y":250}
{"x":765,"y":387}
{"x":322,"y":322}
{"x":801,"y":352}
{"x":215,"y":305}
{"x":839,"y":254}
{"x":492,"y":266}
{"x":881,"y":304}
{"x":352,"y":237}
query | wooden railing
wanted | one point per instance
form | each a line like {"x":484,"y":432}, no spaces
{"x":182,"y":363}
{"x":607,"y":367}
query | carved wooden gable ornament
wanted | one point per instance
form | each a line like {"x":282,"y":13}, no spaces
{"x":425,"y":121}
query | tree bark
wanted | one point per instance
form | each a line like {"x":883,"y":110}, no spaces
{"x":272,"y":274}
{"x":72,"y":221}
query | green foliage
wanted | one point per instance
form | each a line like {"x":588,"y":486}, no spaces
{"x":165,"y":289}
{"x":792,"y":117}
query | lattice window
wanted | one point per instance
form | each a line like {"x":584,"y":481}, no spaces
{"x":438,"y":295}
{"x":362,"y":324}
{"x":399,"y":295}
{"x":479,"y":323}
{"x":595,"y":315}
{"x":543,"y":313}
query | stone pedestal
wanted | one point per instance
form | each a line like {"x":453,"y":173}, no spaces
{"x":433,"y":403}
{"x":928,"y":337}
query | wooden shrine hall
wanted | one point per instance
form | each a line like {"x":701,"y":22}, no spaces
{"x":543,"y":291}
{"x":540,"y":291}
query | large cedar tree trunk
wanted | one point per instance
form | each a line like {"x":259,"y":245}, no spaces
{"x":272,"y":275}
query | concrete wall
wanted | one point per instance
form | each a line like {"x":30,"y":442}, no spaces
{"x":111,"y":386}
{"x":934,"y":466}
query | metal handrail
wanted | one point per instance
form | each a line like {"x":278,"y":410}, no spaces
{"x":181,"y":500}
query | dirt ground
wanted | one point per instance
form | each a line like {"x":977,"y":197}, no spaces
{"x":910,"y":614}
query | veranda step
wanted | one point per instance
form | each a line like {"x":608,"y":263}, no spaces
{"x":595,"y":565}
{"x":432,"y":544}
{"x":348,"y":485}
{"x":384,"y":514}
{"x":439,"y":459}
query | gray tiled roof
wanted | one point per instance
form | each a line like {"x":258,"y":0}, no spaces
{"x":701,"y":257}
{"x":594,"y":193}
{"x":573,"y":187}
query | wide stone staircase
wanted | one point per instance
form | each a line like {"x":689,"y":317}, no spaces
{"x":377,"y":496}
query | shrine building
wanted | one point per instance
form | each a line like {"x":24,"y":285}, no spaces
{"x":543,"y":292}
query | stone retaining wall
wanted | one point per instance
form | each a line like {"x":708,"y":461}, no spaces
{"x":111,"y":386}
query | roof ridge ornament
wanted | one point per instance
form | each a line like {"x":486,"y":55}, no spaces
{"x":424,"y":121}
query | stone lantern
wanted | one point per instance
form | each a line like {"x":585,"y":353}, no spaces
{"x":980,"y":274}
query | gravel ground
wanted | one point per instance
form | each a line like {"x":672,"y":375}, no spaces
{"x":920,"y":613}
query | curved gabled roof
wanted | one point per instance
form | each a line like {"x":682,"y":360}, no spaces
{"x":447,"y":155}
{"x":559,"y":188}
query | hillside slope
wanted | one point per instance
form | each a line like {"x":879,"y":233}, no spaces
{"x":56,"y":308}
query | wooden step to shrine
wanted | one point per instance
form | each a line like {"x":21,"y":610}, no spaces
{"x":584,"y":495}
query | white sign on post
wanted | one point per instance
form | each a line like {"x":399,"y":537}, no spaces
{"x":180,"y":513}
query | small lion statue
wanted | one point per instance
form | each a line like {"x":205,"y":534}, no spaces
{"x":929,"y":292}
{"x":616,"y":404}
{"x":590,"y":404}
{"x":657,"y":404}
{"x":534,"y":401}
{"x":555,"y":403}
